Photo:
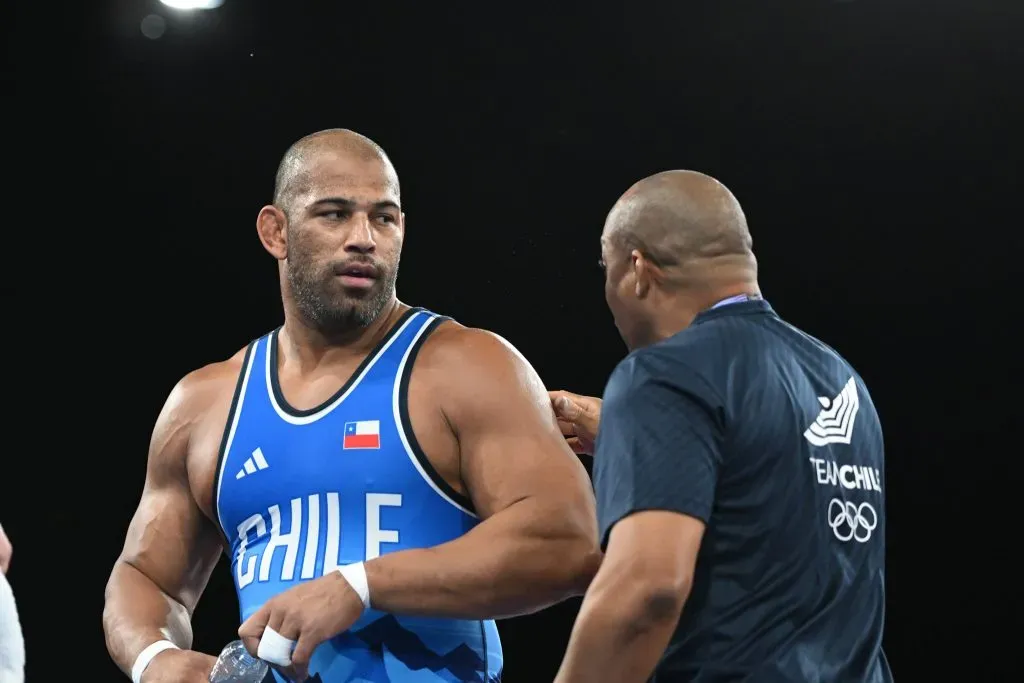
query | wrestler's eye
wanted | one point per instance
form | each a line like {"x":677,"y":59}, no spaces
{"x":335,"y":215}
{"x":601,"y":264}
{"x":386,"y":218}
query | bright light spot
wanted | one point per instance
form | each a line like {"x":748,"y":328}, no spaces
{"x":153,"y":26}
{"x":193,"y":4}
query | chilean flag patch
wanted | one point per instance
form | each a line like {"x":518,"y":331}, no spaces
{"x":364,"y":434}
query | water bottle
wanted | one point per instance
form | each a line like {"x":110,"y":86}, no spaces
{"x":236,"y":665}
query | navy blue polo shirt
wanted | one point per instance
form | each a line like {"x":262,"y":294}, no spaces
{"x":770,"y":438}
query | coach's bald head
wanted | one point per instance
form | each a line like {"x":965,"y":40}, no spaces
{"x":674,"y":244}
{"x":679,"y":218}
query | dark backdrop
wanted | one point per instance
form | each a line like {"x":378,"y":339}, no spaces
{"x":872,"y":144}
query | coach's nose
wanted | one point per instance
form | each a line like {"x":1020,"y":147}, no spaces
{"x":360,"y":235}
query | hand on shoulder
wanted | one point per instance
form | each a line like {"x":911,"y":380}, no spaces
{"x":578,"y":417}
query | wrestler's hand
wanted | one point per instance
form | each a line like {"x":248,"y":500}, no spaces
{"x":179,"y":666}
{"x":307,"y":614}
{"x":578,"y":418}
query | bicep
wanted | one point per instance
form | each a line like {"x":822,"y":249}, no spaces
{"x":169,"y":539}
{"x":510,"y":445}
{"x":172,"y":544}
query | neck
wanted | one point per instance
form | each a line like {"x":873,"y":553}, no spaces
{"x":679,"y":309}
{"x":303,"y":342}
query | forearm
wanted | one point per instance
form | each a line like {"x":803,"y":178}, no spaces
{"x":521,"y":560}
{"x":619,"y":635}
{"x":137,"y":613}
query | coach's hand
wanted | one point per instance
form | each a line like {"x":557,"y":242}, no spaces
{"x":179,"y":666}
{"x":307,"y":614}
{"x":578,"y":418}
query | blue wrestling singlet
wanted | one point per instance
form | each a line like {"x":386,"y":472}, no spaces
{"x":300,"y":492}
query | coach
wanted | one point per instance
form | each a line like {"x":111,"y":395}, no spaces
{"x":738,"y":468}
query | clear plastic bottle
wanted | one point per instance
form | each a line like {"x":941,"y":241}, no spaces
{"x":236,"y":665}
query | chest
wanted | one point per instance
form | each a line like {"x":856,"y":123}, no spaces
{"x":294,"y":443}
{"x":356,"y":447}
{"x":363,"y":444}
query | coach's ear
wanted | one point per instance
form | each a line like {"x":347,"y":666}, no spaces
{"x":271,"y":225}
{"x":642,"y":270}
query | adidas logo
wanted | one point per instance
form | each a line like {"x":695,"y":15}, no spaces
{"x":834,"y":423}
{"x":253,"y":463}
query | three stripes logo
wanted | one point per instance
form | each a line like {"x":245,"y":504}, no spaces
{"x":252,"y":464}
{"x":834,"y":423}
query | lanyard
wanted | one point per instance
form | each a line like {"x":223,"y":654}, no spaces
{"x":734,"y":300}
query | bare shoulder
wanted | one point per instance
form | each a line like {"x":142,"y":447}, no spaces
{"x":187,"y":434}
{"x":509,"y":443}
{"x":477,"y":371}
{"x":200,"y":390}
{"x":469,"y":355}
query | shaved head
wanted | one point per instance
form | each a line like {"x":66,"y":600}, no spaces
{"x":677,"y":217}
{"x":295,"y":173}
{"x":673,"y":245}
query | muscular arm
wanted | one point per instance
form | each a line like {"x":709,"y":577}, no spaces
{"x":635,"y":601}
{"x":537,"y":543}
{"x":171,"y":547}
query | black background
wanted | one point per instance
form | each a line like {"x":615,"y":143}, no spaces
{"x":873,"y":145}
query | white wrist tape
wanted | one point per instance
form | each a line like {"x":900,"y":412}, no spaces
{"x":146,"y":656}
{"x":275,"y":648}
{"x":355,"y":574}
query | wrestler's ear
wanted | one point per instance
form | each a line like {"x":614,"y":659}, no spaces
{"x":272,"y":227}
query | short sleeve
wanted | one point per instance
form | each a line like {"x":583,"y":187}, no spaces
{"x":658,"y":445}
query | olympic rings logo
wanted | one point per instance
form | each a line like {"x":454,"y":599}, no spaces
{"x":851,"y":521}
